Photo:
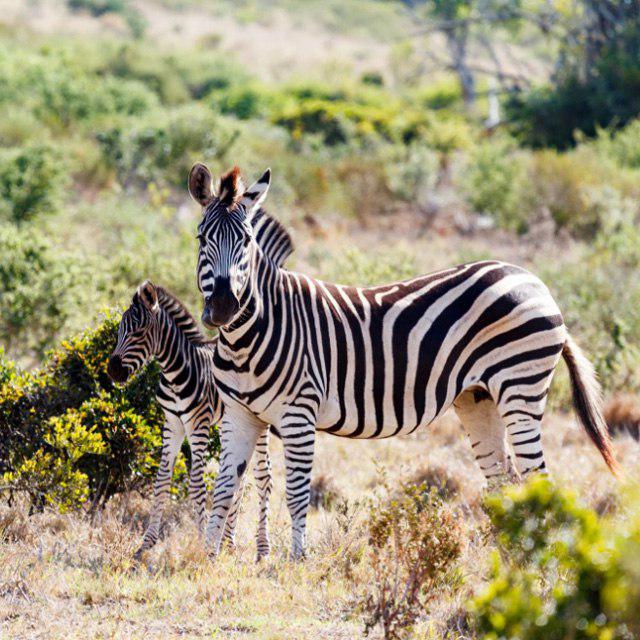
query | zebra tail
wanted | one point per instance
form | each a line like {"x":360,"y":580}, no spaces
{"x":587,"y":401}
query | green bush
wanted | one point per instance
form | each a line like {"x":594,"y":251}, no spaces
{"x":70,"y":436}
{"x":623,"y":145}
{"x":594,"y":85}
{"x":99,"y":7}
{"x":32,"y":181}
{"x":244,"y":101}
{"x":39,"y":288}
{"x":494,"y":183}
{"x":599,"y":296}
{"x":162,"y":145}
{"x":337,"y":122}
{"x":62,"y":91}
{"x":563,"y":572}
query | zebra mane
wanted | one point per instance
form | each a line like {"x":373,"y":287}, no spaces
{"x":181,"y":316}
{"x":273,"y":238}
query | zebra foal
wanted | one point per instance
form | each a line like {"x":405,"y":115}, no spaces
{"x":157,"y":325}
{"x":374,"y":362}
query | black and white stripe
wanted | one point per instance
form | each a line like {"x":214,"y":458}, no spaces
{"x":157,"y":325}
{"x":373,"y":362}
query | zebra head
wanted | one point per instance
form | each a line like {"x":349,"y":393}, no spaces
{"x":226,"y":239}
{"x":136,"y":338}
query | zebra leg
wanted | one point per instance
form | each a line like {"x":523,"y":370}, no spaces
{"x":298,"y":439}
{"x":264,"y":483}
{"x":172,"y":438}
{"x":262,"y":474}
{"x":238,"y":436}
{"x":522,"y":408}
{"x":198,"y":439}
{"x":484,"y":426}
{"x":229,"y":535}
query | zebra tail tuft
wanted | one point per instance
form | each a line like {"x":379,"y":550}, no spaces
{"x":587,"y":401}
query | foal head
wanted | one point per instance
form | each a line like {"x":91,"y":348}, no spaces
{"x":136,"y":336}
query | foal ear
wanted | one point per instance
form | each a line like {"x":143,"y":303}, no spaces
{"x":201,"y":184}
{"x":149,"y":296}
{"x":254,"y":196}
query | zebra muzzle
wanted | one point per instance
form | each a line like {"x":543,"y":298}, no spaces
{"x":116,"y":370}
{"x":220,"y":310}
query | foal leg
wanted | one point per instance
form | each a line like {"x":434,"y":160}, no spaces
{"x":172,"y":438}
{"x":198,"y":439}
{"x":485,"y":428}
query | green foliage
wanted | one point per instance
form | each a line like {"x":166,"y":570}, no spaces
{"x":353,"y":266}
{"x":414,"y":542}
{"x":337,"y":122}
{"x":164,"y":144}
{"x":39,"y":289}
{"x":70,"y":436}
{"x":32,"y":180}
{"x":596,"y":84}
{"x":622,"y":145}
{"x":563,"y":573}
{"x":495,"y":181}
{"x":122,"y":7}
{"x":600,"y":295}
{"x":99,"y":7}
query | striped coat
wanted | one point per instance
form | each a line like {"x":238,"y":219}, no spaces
{"x":157,"y":325}
{"x":373,"y":362}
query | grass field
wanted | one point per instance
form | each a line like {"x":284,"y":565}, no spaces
{"x":62,"y":576}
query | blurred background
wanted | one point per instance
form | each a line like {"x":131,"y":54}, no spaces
{"x":404,"y":137}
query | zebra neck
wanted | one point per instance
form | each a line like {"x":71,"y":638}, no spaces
{"x":254,"y":318}
{"x":175,"y":353}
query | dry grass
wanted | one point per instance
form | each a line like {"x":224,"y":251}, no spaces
{"x":64,"y":577}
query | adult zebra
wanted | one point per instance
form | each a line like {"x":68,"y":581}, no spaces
{"x":374,"y":362}
{"x":157,"y":325}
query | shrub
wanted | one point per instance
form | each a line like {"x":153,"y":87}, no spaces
{"x":70,"y":435}
{"x":493,"y":183}
{"x":99,"y":7}
{"x":39,"y":290}
{"x":623,"y":145}
{"x":599,"y":296}
{"x":337,"y":121}
{"x":414,"y":542}
{"x":412,"y":172}
{"x":596,"y":83}
{"x":244,"y":101}
{"x":353,"y":266}
{"x":563,"y":572}
{"x":32,"y":181}
{"x":163,"y":144}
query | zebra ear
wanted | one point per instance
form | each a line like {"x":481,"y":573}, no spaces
{"x":149,"y":296}
{"x":254,"y":196}
{"x":201,"y":184}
